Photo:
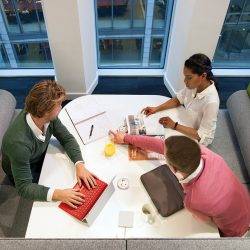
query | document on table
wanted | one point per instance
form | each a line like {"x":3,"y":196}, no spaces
{"x":90,"y":121}
{"x":153,"y":127}
{"x":83,"y":109}
{"x":139,"y":125}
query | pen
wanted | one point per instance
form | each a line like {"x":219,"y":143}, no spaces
{"x":91,"y":131}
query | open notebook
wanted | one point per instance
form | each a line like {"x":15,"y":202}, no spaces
{"x":86,"y":115}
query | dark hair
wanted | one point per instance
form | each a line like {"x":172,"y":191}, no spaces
{"x":43,"y":97}
{"x":183,"y":153}
{"x":199,"y":64}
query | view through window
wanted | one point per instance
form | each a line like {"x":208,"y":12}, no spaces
{"x":233,"y":49}
{"x":23,"y":37}
{"x":132,"y":33}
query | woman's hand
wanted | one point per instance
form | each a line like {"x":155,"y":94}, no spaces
{"x":117,"y":137}
{"x":167,"y":122}
{"x":149,"y":111}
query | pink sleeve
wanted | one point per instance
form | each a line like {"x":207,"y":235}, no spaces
{"x":200,"y":216}
{"x":146,"y":142}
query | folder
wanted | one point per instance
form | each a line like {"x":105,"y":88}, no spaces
{"x":164,"y":190}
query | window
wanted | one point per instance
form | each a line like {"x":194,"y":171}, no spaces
{"x":4,"y":61}
{"x":32,"y":55}
{"x":10,"y":16}
{"x":120,"y":51}
{"x":233,"y":49}
{"x":132,"y":33}
{"x":25,"y":34}
{"x":156,"y":51}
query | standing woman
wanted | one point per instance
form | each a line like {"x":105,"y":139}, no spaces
{"x":200,"y":99}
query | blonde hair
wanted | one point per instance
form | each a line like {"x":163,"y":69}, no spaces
{"x":43,"y":97}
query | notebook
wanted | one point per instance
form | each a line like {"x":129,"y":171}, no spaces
{"x":164,"y":190}
{"x":91,"y":197}
{"x":86,"y":114}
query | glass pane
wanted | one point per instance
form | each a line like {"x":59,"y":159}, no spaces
{"x":127,"y":51}
{"x":236,"y":6}
{"x":233,"y":49}
{"x":122,"y":14}
{"x":156,"y":50}
{"x":159,"y":14}
{"x":4,"y":61}
{"x":105,"y":48}
{"x":139,"y":13}
{"x":247,"y":6}
{"x":245,"y":18}
{"x":233,"y":18}
{"x":27,"y":13}
{"x":104,"y":13}
{"x":124,"y":43}
{"x":31,"y":55}
{"x":10,"y":16}
{"x":40,"y":14}
{"x":47,"y":52}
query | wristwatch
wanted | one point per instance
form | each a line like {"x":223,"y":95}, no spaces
{"x":175,"y":125}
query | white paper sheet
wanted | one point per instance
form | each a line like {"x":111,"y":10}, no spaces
{"x":83,"y":109}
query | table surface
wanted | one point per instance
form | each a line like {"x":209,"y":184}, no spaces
{"x":48,"y":221}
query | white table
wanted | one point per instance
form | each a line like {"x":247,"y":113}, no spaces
{"x":48,"y":221}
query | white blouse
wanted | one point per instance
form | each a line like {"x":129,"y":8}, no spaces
{"x":203,"y":109}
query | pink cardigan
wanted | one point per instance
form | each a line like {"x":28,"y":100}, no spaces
{"x":215,"y":193}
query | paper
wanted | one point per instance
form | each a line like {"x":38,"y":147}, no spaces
{"x":153,"y":127}
{"x":101,"y":127}
{"x":85,"y":113}
{"x":139,"y":125}
{"x":83,"y":109}
{"x":126,"y":219}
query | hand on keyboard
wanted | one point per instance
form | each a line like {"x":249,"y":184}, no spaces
{"x":72,"y":197}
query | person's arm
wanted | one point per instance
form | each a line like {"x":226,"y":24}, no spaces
{"x":19,"y":156}
{"x":200,"y":216}
{"x":141,"y":141}
{"x":67,"y":140}
{"x":72,"y":148}
{"x":205,"y":133}
{"x":167,"y":122}
{"x":146,"y":142}
{"x":190,"y":132}
{"x":172,"y":103}
{"x":207,"y":126}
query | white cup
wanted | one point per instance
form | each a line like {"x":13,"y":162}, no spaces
{"x":149,"y":213}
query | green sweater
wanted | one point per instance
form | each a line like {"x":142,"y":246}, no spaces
{"x":22,"y":151}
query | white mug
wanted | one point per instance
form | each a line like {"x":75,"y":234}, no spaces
{"x":149,"y":213}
